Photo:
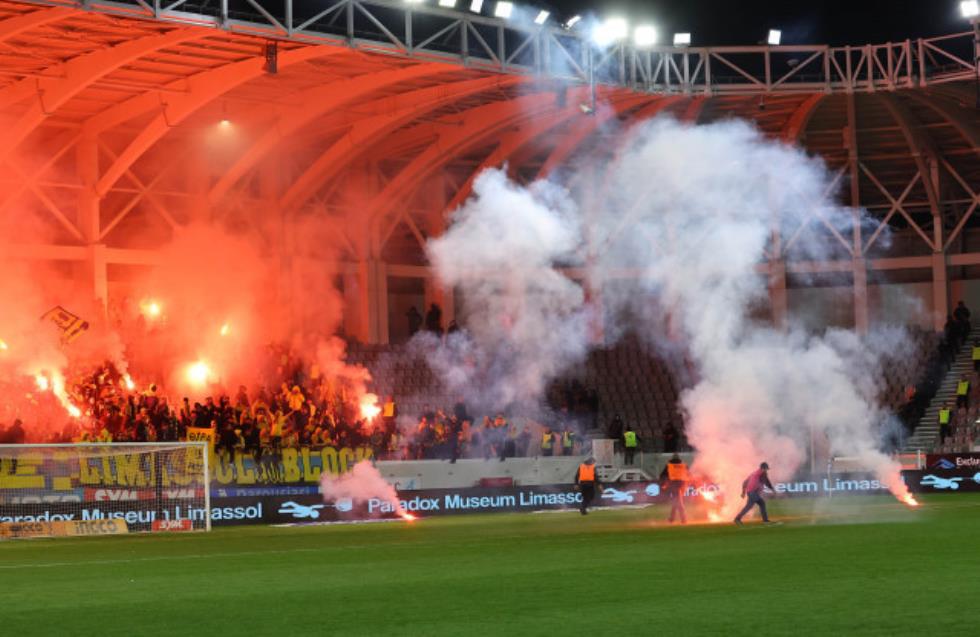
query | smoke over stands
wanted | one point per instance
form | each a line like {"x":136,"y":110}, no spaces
{"x":670,"y":240}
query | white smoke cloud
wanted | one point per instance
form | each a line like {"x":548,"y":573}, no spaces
{"x":686,"y":219}
{"x":527,"y":321}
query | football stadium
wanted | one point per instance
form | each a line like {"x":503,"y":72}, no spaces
{"x":451,"y":317}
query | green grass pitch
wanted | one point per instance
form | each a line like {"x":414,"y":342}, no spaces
{"x":858,"y":566}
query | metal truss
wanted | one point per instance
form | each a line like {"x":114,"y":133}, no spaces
{"x":432,"y":33}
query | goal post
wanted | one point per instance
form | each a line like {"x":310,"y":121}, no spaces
{"x":136,"y":487}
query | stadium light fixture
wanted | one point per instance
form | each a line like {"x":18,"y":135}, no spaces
{"x":503,"y":9}
{"x":542,"y":17}
{"x":449,"y":4}
{"x":775,"y":37}
{"x":682,"y":39}
{"x":645,"y":35}
{"x":612,"y":30}
{"x":970,"y":9}
{"x":573,"y":21}
{"x":476,"y":6}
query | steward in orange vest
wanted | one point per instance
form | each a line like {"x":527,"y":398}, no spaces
{"x":586,"y":481}
{"x":675,"y":477}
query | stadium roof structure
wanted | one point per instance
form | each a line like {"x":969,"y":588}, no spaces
{"x":125,"y":120}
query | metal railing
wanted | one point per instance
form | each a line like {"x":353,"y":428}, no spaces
{"x":394,"y":27}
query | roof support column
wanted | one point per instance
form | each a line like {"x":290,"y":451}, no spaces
{"x":590,"y":285}
{"x":357,"y":324}
{"x":89,"y":221}
{"x":366,"y":302}
{"x":860,"y":295}
{"x":860,"y":266}
{"x":777,"y":293}
{"x":378,"y":284}
{"x":940,"y":275}
{"x":940,"y":291}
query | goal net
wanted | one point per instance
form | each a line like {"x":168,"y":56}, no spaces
{"x":148,"y":486}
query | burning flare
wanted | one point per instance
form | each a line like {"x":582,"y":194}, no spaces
{"x":3,"y":345}
{"x":225,"y":330}
{"x":151,"y":309}
{"x":198,"y":373}
{"x":369,"y":406}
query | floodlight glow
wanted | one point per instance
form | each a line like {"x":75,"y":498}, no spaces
{"x":612,"y":30}
{"x":413,"y":1}
{"x":970,"y":8}
{"x":476,"y":6}
{"x":682,"y":39}
{"x":573,"y":21}
{"x":503,"y":9}
{"x":775,"y":35}
{"x":542,"y":17}
{"x":449,"y":4}
{"x":644,"y":35}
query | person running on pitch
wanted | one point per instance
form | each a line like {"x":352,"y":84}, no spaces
{"x":752,"y":489}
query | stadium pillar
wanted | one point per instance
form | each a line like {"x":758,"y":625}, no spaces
{"x":355,"y":303}
{"x":89,"y":222}
{"x":940,"y":291}
{"x":379,"y":302}
{"x":861,"y":296}
{"x":777,"y":293}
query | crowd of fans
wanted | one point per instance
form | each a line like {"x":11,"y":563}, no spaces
{"x":300,"y":407}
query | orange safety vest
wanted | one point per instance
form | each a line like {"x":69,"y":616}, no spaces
{"x":677,"y":471}
{"x":586,"y":473}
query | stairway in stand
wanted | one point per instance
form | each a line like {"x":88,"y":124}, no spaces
{"x":926,"y":434}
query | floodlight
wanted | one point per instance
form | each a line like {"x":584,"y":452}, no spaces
{"x":644,"y":35}
{"x":542,"y":17}
{"x":503,"y":9}
{"x":775,"y":35}
{"x":449,"y":4}
{"x":970,"y":9}
{"x":612,"y":30}
{"x":682,"y":39}
{"x":573,"y":21}
{"x":476,"y":6}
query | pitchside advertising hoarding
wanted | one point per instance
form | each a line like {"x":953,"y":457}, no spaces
{"x":303,"y":504}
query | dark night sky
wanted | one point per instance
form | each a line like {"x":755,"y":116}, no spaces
{"x":835,"y":22}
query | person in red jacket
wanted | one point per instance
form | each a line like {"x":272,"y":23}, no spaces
{"x":752,"y":489}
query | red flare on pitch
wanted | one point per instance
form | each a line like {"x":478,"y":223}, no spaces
{"x":408,"y":517}
{"x":909,"y":500}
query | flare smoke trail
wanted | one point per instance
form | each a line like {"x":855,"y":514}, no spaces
{"x":687,"y":218}
{"x":360,"y":484}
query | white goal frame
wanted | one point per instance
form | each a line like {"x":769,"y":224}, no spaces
{"x":204,"y":446}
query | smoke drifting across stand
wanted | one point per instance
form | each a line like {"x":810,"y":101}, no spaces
{"x":671,"y":247}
